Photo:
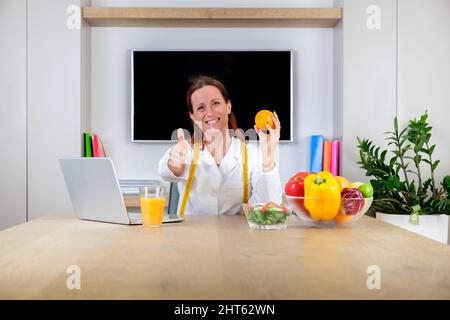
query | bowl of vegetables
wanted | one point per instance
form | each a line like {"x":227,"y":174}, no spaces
{"x":268,"y":216}
{"x":325,"y":200}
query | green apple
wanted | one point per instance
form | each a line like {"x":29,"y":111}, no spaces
{"x":366,"y":189}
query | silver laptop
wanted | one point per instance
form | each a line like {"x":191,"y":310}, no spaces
{"x":95,"y":192}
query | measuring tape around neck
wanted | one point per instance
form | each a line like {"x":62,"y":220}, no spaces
{"x":193,"y":168}
{"x":245,"y":189}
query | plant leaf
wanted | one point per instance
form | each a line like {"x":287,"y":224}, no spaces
{"x":435,"y":164}
{"x":446,"y":185}
{"x":431,"y":150}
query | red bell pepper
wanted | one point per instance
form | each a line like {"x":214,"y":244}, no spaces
{"x":295,"y":187}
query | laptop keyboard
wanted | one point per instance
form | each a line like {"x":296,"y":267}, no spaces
{"x":135,"y":217}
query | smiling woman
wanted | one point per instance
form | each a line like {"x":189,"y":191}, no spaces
{"x":213,"y":154}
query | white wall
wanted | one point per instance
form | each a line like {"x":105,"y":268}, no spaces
{"x":54,"y":95}
{"x":424,"y":71}
{"x":13,"y":115}
{"x":369,"y":79}
{"x":313,"y":82}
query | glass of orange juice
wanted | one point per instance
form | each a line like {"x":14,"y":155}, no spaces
{"x":152,"y":205}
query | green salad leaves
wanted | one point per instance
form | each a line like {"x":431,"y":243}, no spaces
{"x":268,"y":214}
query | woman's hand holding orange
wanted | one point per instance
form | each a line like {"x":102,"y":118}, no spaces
{"x":178,"y":155}
{"x":268,"y":142}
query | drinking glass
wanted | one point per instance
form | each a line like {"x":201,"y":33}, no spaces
{"x":152,"y":200}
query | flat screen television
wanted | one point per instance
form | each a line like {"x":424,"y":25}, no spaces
{"x":255,"y":80}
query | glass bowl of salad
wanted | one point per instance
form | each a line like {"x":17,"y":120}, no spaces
{"x":329,"y":212}
{"x":268,"y":216}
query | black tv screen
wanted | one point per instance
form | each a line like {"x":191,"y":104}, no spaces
{"x":255,"y":80}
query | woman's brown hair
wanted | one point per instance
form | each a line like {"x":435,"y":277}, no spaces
{"x":203,"y":81}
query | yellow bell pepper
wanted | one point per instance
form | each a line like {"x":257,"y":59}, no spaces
{"x":322,"y":196}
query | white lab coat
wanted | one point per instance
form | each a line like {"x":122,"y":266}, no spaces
{"x":218,"y":189}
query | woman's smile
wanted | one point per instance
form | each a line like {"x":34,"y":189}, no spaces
{"x":212,"y":121}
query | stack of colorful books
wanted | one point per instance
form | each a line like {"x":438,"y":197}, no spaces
{"x":92,"y":146}
{"x":324,"y":155}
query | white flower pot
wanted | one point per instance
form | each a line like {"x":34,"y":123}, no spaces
{"x":434,"y":226}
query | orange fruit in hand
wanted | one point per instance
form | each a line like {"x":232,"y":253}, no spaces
{"x":263,"y":117}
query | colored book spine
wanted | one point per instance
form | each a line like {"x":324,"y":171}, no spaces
{"x":97,"y":146}
{"x":326,"y":165}
{"x":335,"y":157}
{"x":316,"y":153}
{"x":87,"y":145}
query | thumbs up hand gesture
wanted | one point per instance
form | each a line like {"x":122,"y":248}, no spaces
{"x":178,"y":155}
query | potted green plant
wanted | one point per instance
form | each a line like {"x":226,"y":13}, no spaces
{"x":406,"y":192}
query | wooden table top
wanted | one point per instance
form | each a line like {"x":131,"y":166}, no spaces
{"x":219,"y":257}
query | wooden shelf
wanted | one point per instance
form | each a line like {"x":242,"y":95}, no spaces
{"x":211,"y":17}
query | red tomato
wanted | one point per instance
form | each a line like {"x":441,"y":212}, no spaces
{"x":268,"y":205}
